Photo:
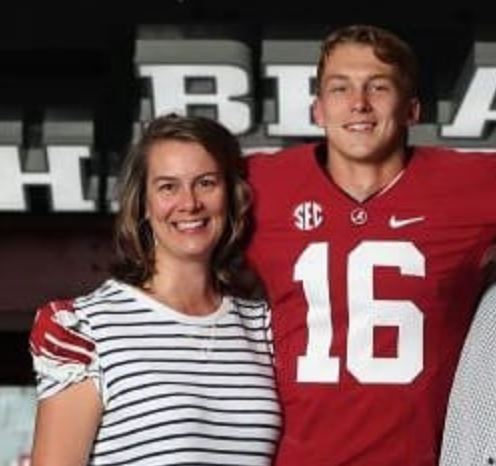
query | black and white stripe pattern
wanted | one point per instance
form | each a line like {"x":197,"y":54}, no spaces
{"x":178,"y":389}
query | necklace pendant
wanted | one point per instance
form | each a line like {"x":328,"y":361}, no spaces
{"x":209,"y":343}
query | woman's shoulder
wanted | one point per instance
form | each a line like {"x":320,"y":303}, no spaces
{"x":250,"y":308}
{"x":109,"y":292}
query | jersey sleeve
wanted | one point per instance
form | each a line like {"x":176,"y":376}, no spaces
{"x":54,"y":374}
{"x":262,"y":176}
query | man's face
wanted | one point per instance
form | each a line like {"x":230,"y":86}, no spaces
{"x":362,"y":107}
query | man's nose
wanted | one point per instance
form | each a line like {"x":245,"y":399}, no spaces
{"x":361,"y":102}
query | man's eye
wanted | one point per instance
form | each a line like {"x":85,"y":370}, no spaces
{"x":337,"y":89}
{"x":380,"y":87}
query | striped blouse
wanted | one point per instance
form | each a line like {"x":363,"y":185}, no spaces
{"x":177,"y":389}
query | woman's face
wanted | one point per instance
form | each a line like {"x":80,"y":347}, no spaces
{"x":186,"y":201}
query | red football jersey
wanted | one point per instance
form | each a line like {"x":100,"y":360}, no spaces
{"x":371,"y":301}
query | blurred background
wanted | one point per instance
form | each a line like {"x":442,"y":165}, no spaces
{"x":73,"y":78}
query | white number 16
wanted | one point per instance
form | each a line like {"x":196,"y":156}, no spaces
{"x":365,"y":313}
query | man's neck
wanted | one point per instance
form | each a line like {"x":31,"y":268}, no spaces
{"x":361,"y":180}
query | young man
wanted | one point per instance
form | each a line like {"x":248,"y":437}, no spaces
{"x":373,"y":256}
{"x":470,"y":431}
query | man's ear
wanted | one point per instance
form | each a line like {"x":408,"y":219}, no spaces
{"x":317,"y":113}
{"x":414,"y":111}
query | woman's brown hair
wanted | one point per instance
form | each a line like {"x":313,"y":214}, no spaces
{"x":133,"y":236}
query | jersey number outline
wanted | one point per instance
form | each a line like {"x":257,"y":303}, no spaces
{"x":364,"y":313}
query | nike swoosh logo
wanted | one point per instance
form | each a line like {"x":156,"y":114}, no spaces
{"x":403,"y":222}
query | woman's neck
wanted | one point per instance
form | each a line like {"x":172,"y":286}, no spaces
{"x":188,"y":288}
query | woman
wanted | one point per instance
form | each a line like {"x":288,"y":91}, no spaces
{"x":183,"y":370}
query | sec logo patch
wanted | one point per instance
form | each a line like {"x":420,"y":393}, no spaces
{"x":308,"y":216}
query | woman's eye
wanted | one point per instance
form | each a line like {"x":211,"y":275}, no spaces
{"x":166,"y":187}
{"x":207,"y":182}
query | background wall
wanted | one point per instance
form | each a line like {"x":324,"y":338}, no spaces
{"x":79,"y":58}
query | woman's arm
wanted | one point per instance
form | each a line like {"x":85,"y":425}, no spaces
{"x":66,"y":424}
